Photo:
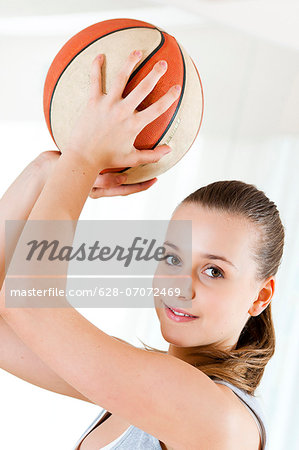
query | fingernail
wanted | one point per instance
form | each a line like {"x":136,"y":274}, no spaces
{"x":121,"y":178}
{"x":177,"y":87}
{"x":137,"y":53}
{"x":100,"y":57}
{"x":163,"y":64}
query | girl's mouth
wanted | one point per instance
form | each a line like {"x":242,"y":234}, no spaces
{"x":178,"y":316}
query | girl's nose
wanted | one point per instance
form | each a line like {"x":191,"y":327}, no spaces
{"x":187,"y":291}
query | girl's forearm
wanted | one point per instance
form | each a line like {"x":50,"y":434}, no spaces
{"x":16,"y":204}
{"x":54,"y":216}
{"x":66,"y":189}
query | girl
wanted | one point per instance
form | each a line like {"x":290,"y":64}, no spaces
{"x":200,"y":393}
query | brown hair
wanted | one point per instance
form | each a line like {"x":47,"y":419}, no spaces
{"x":244,"y":365}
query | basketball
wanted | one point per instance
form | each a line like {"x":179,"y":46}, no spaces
{"x":66,"y":87}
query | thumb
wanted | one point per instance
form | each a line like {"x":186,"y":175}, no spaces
{"x":153,"y":155}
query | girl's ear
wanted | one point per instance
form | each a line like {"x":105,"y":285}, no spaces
{"x":265,"y":295}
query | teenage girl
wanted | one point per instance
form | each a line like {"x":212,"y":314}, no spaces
{"x":200,"y":393}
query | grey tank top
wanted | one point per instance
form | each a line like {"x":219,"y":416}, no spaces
{"x":137,"y":439}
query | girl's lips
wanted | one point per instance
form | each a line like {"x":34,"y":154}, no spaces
{"x":181,"y":311}
{"x":176,"y":318}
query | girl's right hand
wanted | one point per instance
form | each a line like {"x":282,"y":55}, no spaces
{"x":107,"y":127}
{"x":106,"y":185}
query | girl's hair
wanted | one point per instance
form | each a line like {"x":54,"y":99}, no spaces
{"x":244,"y":365}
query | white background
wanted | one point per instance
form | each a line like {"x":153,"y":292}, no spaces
{"x":247,"y":53}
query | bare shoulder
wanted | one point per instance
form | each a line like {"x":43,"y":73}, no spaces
{"x":125,"y":342}
{"x":243,"y":428}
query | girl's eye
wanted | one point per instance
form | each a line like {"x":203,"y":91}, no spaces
{"x":214,"y":272}
{"x":172,"y":260}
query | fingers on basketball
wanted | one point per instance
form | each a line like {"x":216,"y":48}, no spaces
{"x":124,"y":74}
{"x":155,"y":110}
{"x":141,"y":91}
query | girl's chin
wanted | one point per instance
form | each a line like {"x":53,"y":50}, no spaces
{"x":174,"y":338}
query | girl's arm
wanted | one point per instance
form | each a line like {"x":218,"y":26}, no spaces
{"x":18,"y":200}
{"x":16,"y":204}
{"x":161,"y":394}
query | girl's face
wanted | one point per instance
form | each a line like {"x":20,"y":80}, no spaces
{"x":221,"y":285}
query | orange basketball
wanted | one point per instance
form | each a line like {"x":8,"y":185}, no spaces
{"x":66,"y":88}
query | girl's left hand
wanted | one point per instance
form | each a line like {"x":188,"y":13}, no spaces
{"x":110,"y":185}
{"x":105,"y":132}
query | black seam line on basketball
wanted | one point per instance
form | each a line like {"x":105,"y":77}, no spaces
{"x":148,"y":57}
{"x":107,"y":34}
{"x":180,"y":99}
{"x":175,"y":112}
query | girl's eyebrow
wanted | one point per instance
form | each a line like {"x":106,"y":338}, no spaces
{"x":204,"y":255}
{"x":222,"y":258}
{"x":171,"y":245}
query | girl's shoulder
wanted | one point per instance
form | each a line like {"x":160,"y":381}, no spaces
{"x":248,"y":414}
